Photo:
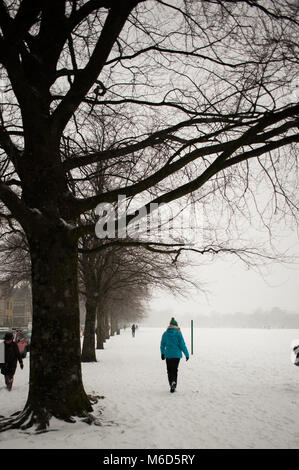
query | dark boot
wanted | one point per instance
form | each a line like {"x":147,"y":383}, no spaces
{"x":9,"y":382}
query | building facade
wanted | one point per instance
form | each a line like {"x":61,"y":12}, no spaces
{"x":6,"y":306}
{"x":15,"y":306}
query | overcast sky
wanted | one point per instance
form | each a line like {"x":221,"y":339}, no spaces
{"x":234,"y":288}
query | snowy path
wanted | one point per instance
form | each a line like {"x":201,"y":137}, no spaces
{"x":238,"y":390}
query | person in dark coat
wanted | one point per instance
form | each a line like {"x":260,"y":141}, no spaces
{"x":172,"y":345}
{"x":296,"y":352}
{"x":12,"y":355}
{"x":133,"y":328}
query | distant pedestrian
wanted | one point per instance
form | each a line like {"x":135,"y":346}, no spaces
{"x":296,"y":352}
{"x":12,"y":355}
{"x":172,"y":346}
{"x":133,"y":328}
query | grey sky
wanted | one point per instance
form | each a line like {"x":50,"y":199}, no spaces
{"x":231,"y":287}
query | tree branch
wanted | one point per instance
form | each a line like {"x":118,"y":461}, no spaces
{"x":15,"y":205}
{"x":86,"y":77}
{"x":155,"y":138}
{"x":261,"y":150}
{"x":7,"y":144}
{"x":249,"y":137}
{"x":129,"y":243}
{"x":15,"y":29}
{"x":79,"y":15}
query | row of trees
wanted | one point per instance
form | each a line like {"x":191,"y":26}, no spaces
{"x":114,"y":283}
{"x":185,"y":100}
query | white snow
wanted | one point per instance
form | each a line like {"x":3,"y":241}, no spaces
{"x":67,"y":225}
{"x":36,"y":211}
{"x":238,"y":390}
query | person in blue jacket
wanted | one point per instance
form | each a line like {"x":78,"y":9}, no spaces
{"x":172,"y":346}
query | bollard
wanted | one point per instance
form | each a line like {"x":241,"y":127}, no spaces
{"x":192,"y":337}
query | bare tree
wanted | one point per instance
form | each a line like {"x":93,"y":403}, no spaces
{"x":205,"y":97}
{"x":122,"y":308}
{"x":14,"y":258}
{"x":119,"y":280}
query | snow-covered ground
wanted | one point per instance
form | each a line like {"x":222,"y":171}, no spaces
{"x":238,"y":390}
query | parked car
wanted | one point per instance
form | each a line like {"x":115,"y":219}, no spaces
{"x":28,"y":336}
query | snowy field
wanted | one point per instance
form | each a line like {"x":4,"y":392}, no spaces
{"x":238,"y":391}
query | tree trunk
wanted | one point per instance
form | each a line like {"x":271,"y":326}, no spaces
{"x":114,"y":324}
{"x":55,"y":387}
{"x":106,"y":327}
{"x":88,"y":349}
{"x":100,"y":329}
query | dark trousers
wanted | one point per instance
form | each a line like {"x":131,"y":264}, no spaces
{"x":172,"y":365}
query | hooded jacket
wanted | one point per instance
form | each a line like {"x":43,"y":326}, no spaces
{"x":173,"y":344}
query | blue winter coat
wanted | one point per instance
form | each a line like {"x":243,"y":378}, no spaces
{"x":172,"y":344}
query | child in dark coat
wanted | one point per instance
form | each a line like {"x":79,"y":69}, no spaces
{"x":12,"y":355}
